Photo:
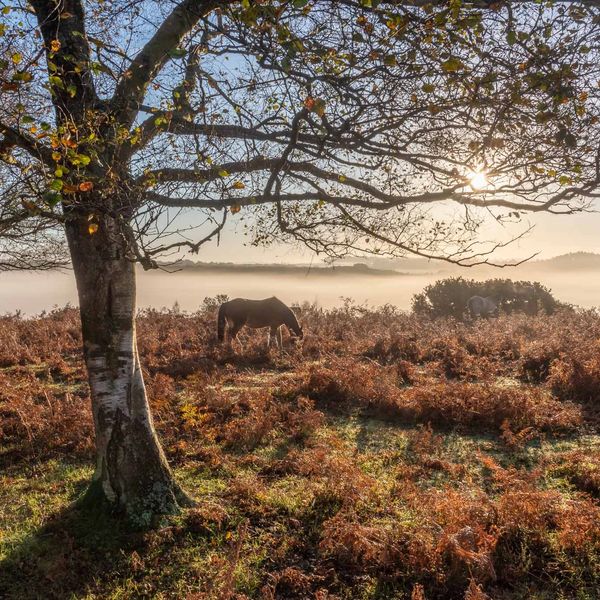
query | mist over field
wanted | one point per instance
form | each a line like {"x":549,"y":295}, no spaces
{"x":572,"y":278}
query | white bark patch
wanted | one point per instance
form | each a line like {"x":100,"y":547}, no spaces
{"x":108,"y":490}
{"x":110,"y":390}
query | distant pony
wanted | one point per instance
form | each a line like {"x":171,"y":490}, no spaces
{"x":482,"y":307}
{"x":270,"y":312}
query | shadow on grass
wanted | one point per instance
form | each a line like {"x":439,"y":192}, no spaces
{"x":257,"y":359}
{"x":67,"y":556}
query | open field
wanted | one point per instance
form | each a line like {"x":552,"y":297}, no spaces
{"x":388,"y":456}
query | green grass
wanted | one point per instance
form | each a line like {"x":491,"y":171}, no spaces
{"x":233,"y":539}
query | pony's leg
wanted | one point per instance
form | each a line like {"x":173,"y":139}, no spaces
{"x":280,"y":338}
{"x":234,"y":335}
{"x":240,"y":344}
{"x":272,"y":337}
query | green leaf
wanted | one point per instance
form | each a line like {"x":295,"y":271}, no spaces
{"x":177,"y":53}
{"x":56,"y":82}
{"x":428,"y":88}
{"x":80,"y":159}
{"x":319,"y":107}
{"x":23,"y":76}
{"x":452,"y":65}
{"x":52,"y":197}
{"x":511,"y":37}
{"x":56,"y":185}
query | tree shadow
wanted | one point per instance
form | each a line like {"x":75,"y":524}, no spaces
{"x":74,"y":550}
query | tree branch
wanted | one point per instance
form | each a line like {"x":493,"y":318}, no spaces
{"x":131,"y":88}
{"x":14,"y":137}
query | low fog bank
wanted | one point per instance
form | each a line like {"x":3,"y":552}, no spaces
{"x":33,"y":292}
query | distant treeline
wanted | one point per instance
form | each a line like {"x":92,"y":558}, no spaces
{"x":303,"y":270}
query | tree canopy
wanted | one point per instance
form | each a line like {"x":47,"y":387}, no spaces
{"x":349,"y":125}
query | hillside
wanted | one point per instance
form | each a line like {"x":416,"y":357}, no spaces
{"x":373,"y":266}
{"x":574,"y":261}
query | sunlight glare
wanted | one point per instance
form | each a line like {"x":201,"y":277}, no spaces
{"x":478,"y":180}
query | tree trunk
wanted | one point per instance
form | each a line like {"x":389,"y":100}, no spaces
{"x":132,"y":474}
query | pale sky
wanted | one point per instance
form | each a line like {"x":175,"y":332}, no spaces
{"x":552,"y":235}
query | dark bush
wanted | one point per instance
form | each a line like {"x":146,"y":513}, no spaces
{"x":448,"y":297}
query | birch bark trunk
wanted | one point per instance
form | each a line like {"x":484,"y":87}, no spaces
{"x":132,"y":474}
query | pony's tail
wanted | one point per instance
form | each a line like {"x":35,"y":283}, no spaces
{"x":221,"y":323}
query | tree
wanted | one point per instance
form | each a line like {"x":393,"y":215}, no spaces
{"x":351,"y":126}
{"x":449,"y":297}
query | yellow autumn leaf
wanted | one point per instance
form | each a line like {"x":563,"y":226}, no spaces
{"x":238,"y":185}
{"x":92,"y":228}
{"x":55,"y":45}
{"x":17,"y":57}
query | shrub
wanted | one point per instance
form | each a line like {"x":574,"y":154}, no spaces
{"x":576,"y":376}
{"x":536,"y":362}
{"x":345,"y":384}
{"x":448,"y":297}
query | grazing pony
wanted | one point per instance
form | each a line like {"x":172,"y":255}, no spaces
{"x":270,"y":312}
{"x":482,"y":307}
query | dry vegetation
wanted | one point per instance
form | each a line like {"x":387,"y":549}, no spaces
{"x":388,"y":456}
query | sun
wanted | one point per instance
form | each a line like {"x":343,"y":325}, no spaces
{"x":478,"y":180}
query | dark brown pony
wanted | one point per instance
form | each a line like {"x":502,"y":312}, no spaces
{"x":270,"y":312}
